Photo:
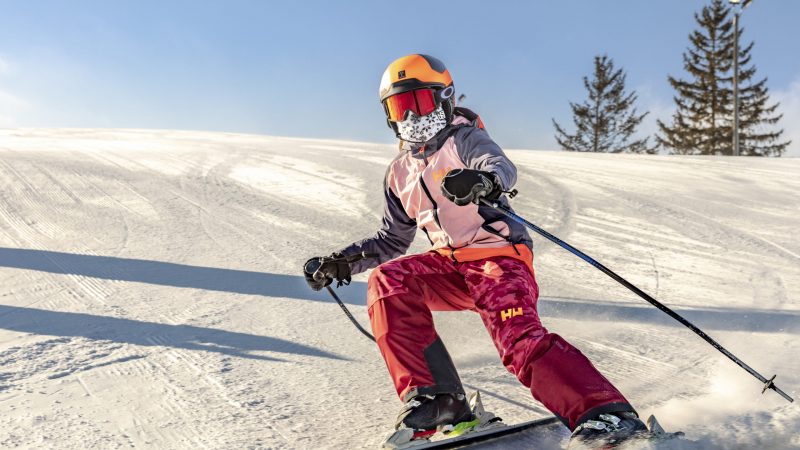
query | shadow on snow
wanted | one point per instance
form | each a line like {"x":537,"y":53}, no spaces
{"x":55,"y":323}
{"x":727,"y":319}
{"x":287,"y":286}
{"x":171,"y":274}
{"x":68,"y":324}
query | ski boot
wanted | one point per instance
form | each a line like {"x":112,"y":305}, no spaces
{"x":425,"y":415}
{"x":607,"y":431}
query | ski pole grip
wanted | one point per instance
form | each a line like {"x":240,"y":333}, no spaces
{"x":312,"y":267}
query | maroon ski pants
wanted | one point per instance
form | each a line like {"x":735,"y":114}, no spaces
{"x":403,"y":292}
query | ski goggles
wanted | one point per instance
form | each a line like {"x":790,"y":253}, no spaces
{"x":421,"y":101}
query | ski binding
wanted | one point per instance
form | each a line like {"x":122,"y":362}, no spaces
{"x":483,"y":420}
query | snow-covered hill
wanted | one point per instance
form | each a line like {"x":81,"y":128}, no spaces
{"x":150,"y":290}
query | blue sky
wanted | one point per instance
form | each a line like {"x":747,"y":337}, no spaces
{"x":311,"y":68}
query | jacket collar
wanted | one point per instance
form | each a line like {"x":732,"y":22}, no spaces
{"x":435,"y":143}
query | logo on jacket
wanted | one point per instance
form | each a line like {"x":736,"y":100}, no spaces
{"x":438,"y":175}
{"x":509,"y":313}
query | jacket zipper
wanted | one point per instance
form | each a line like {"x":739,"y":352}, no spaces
{"x":433,"y":202}
{"x":427,"y":192}
{"x":435,"y":207}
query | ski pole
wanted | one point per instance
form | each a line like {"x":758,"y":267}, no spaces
{"x":346,"y":259}
{"x":768,"y":384}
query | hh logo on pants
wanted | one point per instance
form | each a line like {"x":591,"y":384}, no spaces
{"x":509,"y":313}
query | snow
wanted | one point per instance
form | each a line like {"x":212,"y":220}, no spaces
{"x":151,"y":294}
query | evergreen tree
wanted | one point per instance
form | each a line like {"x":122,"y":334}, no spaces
{"x":607,"y":120}
{"x":703,"y":121}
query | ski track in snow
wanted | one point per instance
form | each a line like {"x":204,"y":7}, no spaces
{"x":150,"y":293}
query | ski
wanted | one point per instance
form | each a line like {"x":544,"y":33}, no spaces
{"x":485,"y":426}
{"x":486,"y":435}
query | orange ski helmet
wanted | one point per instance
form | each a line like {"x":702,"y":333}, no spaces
{"x":416,"y":73}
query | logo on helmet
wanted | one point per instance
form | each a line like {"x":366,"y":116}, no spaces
{"x":447,"y":92}
{"x":401,"y":74}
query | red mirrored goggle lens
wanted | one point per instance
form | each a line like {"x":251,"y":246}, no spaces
{"x":421,"y":101}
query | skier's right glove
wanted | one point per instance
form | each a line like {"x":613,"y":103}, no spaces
{"x":320,"y":271}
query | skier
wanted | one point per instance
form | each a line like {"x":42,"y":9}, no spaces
{"x":478,"y":261}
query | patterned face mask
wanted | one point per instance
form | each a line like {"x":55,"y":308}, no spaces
{"x":420,"y":129}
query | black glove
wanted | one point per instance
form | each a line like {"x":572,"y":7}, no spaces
{"x":465,"y":186}
{"x":320,"y":271}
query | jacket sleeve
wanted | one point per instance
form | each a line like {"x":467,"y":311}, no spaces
{"x":392,"y":240}
{"x":478,"y":151}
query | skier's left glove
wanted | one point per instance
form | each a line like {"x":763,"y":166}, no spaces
{"x":465,"y":186}
{"x":320,"y":271}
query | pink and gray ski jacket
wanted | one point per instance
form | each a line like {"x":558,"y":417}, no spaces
{"x":413,"y":199}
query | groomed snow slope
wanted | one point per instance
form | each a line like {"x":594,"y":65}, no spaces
{"x":151,"y":296}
